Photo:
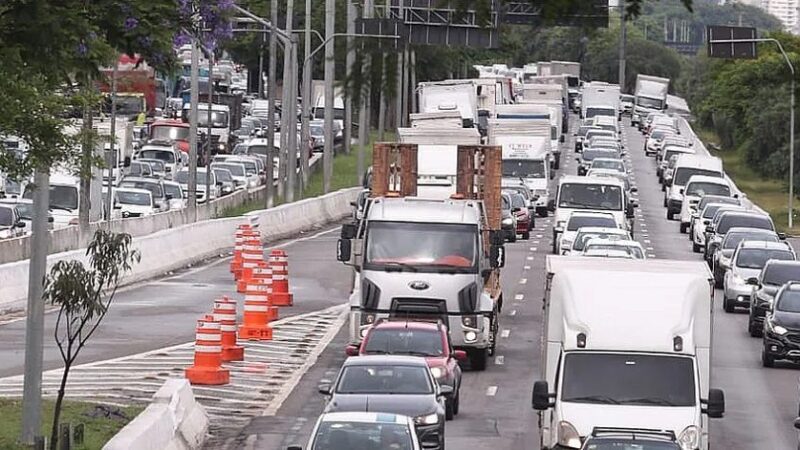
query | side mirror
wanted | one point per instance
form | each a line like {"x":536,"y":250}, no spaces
{"x":782,"y":236}
{"x":460,"y":355}
{"x":168,"y":197}
{"x":497,"y":256}
{"x":349,"y":231}
{"x":681,"y":191}
{"x":562,"y":139}
{"x":344,"y":250}
{"x":577,"y":159}
{"x":710,"y":229}
{"x":541,"y":396}
{"x":551,"y":205}
{"x":127,"y":161}
{"x":634,"y":189}
{"x":324,"y":389}
{"x":353,"y":204}
{"x":752,"y":281}
{"x":715,"y":405}
{"x":446,"y":389}
{"x":20,"y":224}
{"x":351,"y":350}
{"x":735,"y":195}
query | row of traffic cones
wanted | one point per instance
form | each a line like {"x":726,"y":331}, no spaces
{"x":265,"y":285}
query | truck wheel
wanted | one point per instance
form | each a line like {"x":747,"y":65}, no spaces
{"x":665,"y":201}
{"x":767,"y":360}
{"x":526,"y":235}
{"x":457,"y":400}
{"x":478,"y":358}
{"x":727,"y":305}
{"x":684,"y":226}
{"x":670,"y":216}
{"x":695,"y":248}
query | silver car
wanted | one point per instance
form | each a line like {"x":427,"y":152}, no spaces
{"x":747,"y":261}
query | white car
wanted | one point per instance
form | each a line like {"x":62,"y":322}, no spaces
{"x":175,"y":195}
{"x":697,"y":187}
{"x":344,"y":430}
{"x":578,"y":220}
{"x":11,"y":225}
{"x":587,"y":233}
{"x":747,"y":261}
{"x":237,"y":170}
{"x":132,"y":202}
{"x":614,"y":248}
{"x":700,"y":220}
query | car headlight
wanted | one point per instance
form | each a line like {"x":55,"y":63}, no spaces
{"x":437,"y":372}
{"x":5,"y":234}
{"x":689,"y":439}
{"x":568,"y":436}
{"x":430,"y":419}
{"x":508,"y":221}
{"x":566,"y":244}
{"x":470,"y":336}
{"x":221,"y":146}
{"x":777,"y":329}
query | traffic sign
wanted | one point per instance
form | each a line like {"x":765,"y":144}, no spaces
{"x":720,"y":42}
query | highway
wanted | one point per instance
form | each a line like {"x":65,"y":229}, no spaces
{"x":496,"y":408}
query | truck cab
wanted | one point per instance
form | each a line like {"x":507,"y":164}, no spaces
{"x":220,"y":124}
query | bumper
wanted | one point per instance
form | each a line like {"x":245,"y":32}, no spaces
{"x":782,"y":347}
{"x":738,"y":294}
{"x":523,"y":226}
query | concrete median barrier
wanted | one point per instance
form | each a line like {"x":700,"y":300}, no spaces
{"x":174,"y":421}
{"x":174,"y":248}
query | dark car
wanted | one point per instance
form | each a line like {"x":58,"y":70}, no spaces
{"x":782,"y":327}
{"x":630,"y":438}
{"x":428,"y":340}
{"x":522,"y":213}
{"x":509,"y":220}
{"x":775,"y":274}
{"x":715,"y":232}
{"x":392,"y":384}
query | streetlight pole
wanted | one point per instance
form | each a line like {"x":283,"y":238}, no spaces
{"x":112,"y":161}
{"x":285,"y":186}
{"x":623,"y":36}
{"x":791,"y":115}
{"x":195,"y":85}
{"x":327,"y":152}
{"x":305,"y":135}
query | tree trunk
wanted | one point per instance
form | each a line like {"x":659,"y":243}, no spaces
{"x":57,"y":408}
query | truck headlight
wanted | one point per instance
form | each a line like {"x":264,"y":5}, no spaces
{"x":430,"y":419}
{"x":367,"y":319}
{"x":470,"y":336}
{"x":568,"y":436}
{"x":689,"y":439}
{"x":437,"y":372}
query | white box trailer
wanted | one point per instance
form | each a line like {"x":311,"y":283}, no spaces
{"x":436,"y":120}
{"x":572,"y":70}
{"x":450,"y":95}
{"x":548,"y":108}
{"x":544,"y":68}
{"x":600,"y":99}
{"x":626,"y":344}
{"x":650,"y":96}
{"x":437,"y":157}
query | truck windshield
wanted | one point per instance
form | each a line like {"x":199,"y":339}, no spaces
{"x":421,"y":246}
{"x":651,"y":103}
{"x":63,"y":197}
{"x":219,"y":119}
{"x":167,"y":156}
{"x":592,"y":112}
{"x":523,"y":168}
{"x":682,"y":174}
{"x":590,"y":196}
{"x":170,"y":133}
{"x":628,"y":379}
{"x":129,"y":105}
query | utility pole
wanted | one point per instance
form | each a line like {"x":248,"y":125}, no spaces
{"x":305,"y":128}
{"x":195,"y":97}
{"x":112,"y":161}
{"x":287,"y":108}
{"x":208,"y":133}
{"x":273,"y":69}
{"x":364,"y":121}
{"x":261,"y":66}
{"x":291,"y":160}
{"x":327,"y":154}
{"x":413,"y":70}
{"x":34,"y":319}
{"x":398,"y":110}
{"x":350,"y":60}
{"x":622,"y":42}
{"x":84,"y":198}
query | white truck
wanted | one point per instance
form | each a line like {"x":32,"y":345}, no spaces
{"x":626,"y":344}
{"x":561,"y":81}
{"x":572,"y":70}
{"x":525,"y":158}
{"x":540,"y":120}
{"x":450,"y":95}
{"x":600,"y":99}
{"x":220,"y":124}
{"x":650,"y":96}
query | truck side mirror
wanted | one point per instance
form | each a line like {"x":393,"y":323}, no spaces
{"x":349,"y":231}
{"x":715,"y":405}
{"x":351,"y":350}
{"x":551,"y":205}
{"x":127,"y":161}
{"x":344,"y":250}
{"x":541,"y":396}
{"x":497,"y":256}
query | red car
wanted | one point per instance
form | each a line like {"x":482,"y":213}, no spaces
{"x":520,"y":209}
{"x":429,"y":340}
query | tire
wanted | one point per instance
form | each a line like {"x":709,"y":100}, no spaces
{"x":526,"y":235}
{"x":449,"y":410}
{"x":513,"y":237}
{"x":695,"y":247}
{"x":555,"y":248}
{"x":665,"y":201}
{"x":684,"y":227}
{"x":543,"y":213}
{"x":767,"y":360}
{"x":727,"y":306}
{"x":670,"y":216}
{"x":663,"y":189}
{"x":478,"y":359}
{"x":753,"y":328}
{"x":718,"y":279}
{"x":457,"y":400}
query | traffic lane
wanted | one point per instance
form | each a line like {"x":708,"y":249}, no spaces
{"x":760,"y":403}
{"x":163,"y":312}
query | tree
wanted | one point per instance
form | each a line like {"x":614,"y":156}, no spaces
{"x":83,"y":297}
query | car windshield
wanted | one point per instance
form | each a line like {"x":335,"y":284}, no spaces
{"x":6,"y":216}
{"x":362,"y":436}
{"x":250,"y":167}
{"x":576,"y":222}
{"x":384,"y":379}
{"x":167,"y":156}
{"x":779,"y":274}
{"x":614,"y":164}
{"x":64,"y":197}
{"x":222,"y":175}
{"x":702,"y":188}
{"x":584,"y":237}
{"x":219,"y":119}
{"x":631,"y":250}
{"x":590,"y":196}
{"x":709,"y":199}
{"x":257,"y":150}
{"x":584,"y":129}
{"x":590,"y":154}
{"x":154,"y":188}
{"x":170,"y":133}
{"x":417,"y":246}
{"x":25,"y":210}
{"x":756,"y":258}
{"x":789,"y":301}
{"x":156,"y":165}
{"x":628,"y":379}
{"x":658,"y":134}
{"x":173,"y":190}
{"x":138,"y":169}
{"x":236,"y":170}
{"x":133,"y":198}
{"x":637,"y":443}
{"x":733,"y":239}
{"x":682,"y":174}
{"x":670,"y":153}
{"x":517,"y":200}
{"x":317,"y":131}
{"x":13,"y":187}
{"x":726,"y":222}
{"x":523,"y":168}
{"x":404,"y":341}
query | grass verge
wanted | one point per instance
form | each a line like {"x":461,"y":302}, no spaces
{"x":99,"y":426}
{"x":770,"y":194}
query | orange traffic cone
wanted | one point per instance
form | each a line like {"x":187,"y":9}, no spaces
{"x":207,"y":368}
{"x":261,"y":271}
{"x":225,"y":314}
{"x":279,"y":263}
{"x":243,"y":234}
{"x":252,"y":253}
{"x":257,"y":312}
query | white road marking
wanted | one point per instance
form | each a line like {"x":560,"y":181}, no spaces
{"x":513,"y":313}
{"x":523,"y":281}
{"x":519,"y":297}
{"x":500,"y":360}
{"x":526,"y":268}
{"x":529,"y":258}
{"x":491,"y":391}
{"x":647,"y":241}
{"x":505,"y":333}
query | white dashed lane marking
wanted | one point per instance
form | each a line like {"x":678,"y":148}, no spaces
{"x":523,"y":281}
{"x":491,"y":391}
{"x":519,"y":297}
{"x":500,"y":360}
{"x":505,"y":333}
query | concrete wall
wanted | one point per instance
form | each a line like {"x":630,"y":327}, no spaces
{"x":176,"y":247}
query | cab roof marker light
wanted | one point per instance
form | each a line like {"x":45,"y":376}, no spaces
{"x":581,"y":340}
{"x":677,"y":344}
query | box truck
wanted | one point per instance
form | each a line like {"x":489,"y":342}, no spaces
{"x":650,"y":96}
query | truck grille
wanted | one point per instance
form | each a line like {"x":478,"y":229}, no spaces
{"x":419,"y":308}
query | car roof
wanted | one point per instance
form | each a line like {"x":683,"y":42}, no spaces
{"x":365,"y":417}
{"x":782,"y":262}
{"x":707,"y":179}
{"x":607,"y":230}
{"x":407,"y":324}
{"x":389,"y":360}
{"x":15,"y":201}
{"x":141,"y":180}
{"x":134,"y":190}
{"x":748,"y":230}
{"x":764,"y":245}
